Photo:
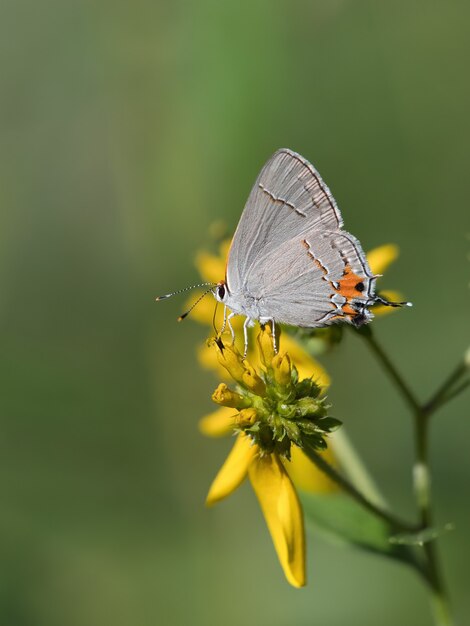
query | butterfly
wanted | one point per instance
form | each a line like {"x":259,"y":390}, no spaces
{"x":290,"y":260}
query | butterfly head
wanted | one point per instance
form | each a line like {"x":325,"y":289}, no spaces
{"x":221,"y":292}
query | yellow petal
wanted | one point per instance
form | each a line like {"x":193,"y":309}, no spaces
{"x":380,"y":258}
{"x":233,"y":471}
{"x":392,"y":296}
{"x":218,"y":423}
{"x":305,"y":364}
{"x":283,"y":514}
{"x":224,"y":249}
{"x":211,"y":267}
{"x":306,"y":475}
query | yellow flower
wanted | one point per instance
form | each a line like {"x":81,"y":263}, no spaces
{"x":273,"y":412}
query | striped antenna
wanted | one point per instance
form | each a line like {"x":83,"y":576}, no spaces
{"x":174,"y":293}
{"x":181,"y":317}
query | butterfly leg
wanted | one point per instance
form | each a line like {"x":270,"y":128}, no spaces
{"x":273,"y":326}
{"x":225,"y":321}
{"x":230,"y":326}
{"x":245,"y":335}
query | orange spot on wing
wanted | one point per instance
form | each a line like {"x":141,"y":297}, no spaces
{"x":348,"y":285}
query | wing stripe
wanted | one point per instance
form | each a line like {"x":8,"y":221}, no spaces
{"x":320,"y":183}
{"x":283,"y":200}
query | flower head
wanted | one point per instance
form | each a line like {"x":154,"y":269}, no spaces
{"x":283,"y":409}
{"x":271,"y":411}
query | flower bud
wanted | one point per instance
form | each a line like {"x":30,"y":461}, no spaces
{"x":266,"y":346}
{"x":308,"y":406}
{"x":231,"y":359}
{"x":246,"y":417}
{"x":240,"y":370}
{"x":226,"y":397}
{"x":282,"y":370}
{"x":292,"y":431}
{"x":253,"y":382}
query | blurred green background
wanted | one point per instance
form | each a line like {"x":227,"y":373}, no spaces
{"x":127,"y":128}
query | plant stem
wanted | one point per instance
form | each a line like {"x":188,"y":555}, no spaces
{"x":421,"y":472}
{"x":436,"y":404}
{"x":422,"y":485}
{"x":455,"y":392}
{"x":441,"y":610}
{"x":441,"y":394}
{"x":349,"y":488}
{"x":399,"y":381}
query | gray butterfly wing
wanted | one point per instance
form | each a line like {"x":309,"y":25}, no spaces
{"x":314,"y":281}
{"x":288,"y":199}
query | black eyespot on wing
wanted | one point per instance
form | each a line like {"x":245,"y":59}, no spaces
{"x":360,"y":286}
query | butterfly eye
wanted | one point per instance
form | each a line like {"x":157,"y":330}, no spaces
{"x":221,"y":292}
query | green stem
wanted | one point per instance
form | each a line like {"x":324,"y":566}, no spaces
{"x":441,"y":610}
{"x":444,"y":399}
{"x":447,"y":390}
{"x":422,"y":483}
{"x":349,"y":488}
{"x":421,"y":477}
{"x":421,"y":474}
{"x":399,"y":381}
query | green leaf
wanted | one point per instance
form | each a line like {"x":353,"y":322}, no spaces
{"x":329,"y":424}
{"x":342,"y":518}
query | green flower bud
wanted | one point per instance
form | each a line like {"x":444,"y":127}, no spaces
{"x":292,"y":431}
{"x":308,"y":406}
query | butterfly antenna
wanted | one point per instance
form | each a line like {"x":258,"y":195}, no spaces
{"x":174,"y":293}
{"x":181,"y":317}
